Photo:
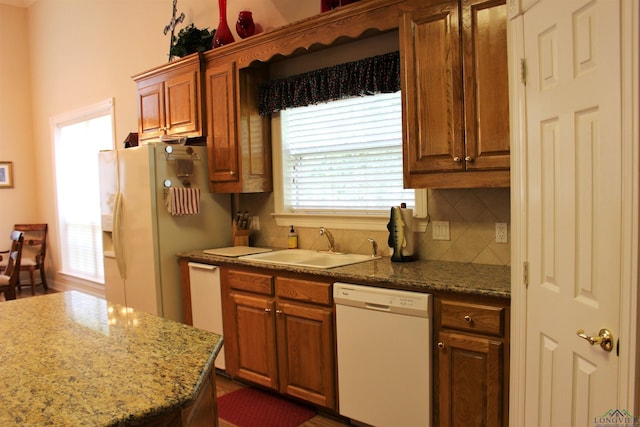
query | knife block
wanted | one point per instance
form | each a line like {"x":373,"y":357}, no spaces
{"x":239,"y":237}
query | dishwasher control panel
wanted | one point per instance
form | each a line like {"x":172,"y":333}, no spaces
{"x":369,"y":297}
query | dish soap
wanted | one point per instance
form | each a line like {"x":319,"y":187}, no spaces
{"x":292,"y":240}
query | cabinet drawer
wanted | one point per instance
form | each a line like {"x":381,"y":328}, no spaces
{"x":472,"y":317}
{"x":252,"y":282}
{"x":304,"y":290}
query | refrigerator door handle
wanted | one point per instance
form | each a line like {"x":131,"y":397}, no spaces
{"x":117,"y":243}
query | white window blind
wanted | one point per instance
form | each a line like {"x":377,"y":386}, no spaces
{"x":344,"y":156}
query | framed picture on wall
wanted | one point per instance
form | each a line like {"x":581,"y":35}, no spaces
{"x":6,"y":174}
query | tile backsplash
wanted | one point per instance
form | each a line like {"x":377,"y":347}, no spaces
{"x":471,"y":213}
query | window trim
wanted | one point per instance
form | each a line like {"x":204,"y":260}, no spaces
{"x":372,"y":222}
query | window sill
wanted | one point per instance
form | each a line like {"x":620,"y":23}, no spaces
{"x":344,"y":222}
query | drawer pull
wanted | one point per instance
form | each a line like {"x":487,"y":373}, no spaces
{"x":467,"y":319}
{"x":441,"y":345}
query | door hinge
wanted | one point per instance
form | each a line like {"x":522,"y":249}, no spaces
{"x":523,"y":71}
{"x":525,"y":274}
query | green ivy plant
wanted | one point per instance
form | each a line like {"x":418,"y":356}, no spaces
{"x":190,"y":40}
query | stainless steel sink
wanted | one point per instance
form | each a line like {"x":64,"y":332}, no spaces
{"x":309,"y":258}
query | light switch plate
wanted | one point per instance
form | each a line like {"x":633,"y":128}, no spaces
{"x":440,"y":230}
{"x":501,"y":232}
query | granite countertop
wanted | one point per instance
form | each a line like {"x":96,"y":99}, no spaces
{"x":71,"y":359}
{"x":419,"y":275}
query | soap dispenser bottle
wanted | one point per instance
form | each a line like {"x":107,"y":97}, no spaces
{"x":292,"y":240}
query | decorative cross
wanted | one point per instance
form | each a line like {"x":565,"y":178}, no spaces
{"x":172,"y":26}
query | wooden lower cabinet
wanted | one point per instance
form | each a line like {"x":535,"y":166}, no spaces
{"x":305,"y":340}
{"x":251,"y":348}
{"x":280,"y":339}
{"x":472,"y":363}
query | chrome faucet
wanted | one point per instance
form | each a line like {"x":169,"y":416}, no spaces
{"x":374,"y":247}
{"x":329,"y":236}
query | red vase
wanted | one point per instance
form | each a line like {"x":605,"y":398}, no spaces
{"x":223,"y":34}
{"x":245,"y":26}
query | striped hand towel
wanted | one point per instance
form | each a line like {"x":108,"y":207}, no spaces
{"x":183,"y":201}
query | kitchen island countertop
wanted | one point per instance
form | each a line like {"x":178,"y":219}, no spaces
{"x":417,"y":276}
{"x":71,"y":359}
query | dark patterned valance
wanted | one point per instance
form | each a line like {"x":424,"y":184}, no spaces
{"x":379,"y":74}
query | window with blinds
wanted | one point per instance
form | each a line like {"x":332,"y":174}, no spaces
{"x":78,"y":137}
{"x":344,"y":156}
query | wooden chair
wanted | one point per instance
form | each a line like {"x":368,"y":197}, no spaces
{"x":9,"y":278}
{"x":33,"y":256}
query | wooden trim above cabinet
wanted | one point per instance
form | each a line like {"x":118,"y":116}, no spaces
{"x":340,"y":25}
{"x":469,"y":179}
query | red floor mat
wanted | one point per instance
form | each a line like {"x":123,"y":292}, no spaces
{"x":249,"y":407}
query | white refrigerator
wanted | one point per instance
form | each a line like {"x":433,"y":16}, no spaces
{"x":141,"y":237}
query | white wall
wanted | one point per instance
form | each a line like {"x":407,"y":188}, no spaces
{"x":17,"y":204}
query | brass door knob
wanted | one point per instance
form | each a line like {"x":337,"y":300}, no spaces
{"x":604,"y":338}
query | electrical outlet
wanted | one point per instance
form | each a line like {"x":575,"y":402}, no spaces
{"x":501,"y":232}
{"x":440,"y":230}
{"x":255,"y":223}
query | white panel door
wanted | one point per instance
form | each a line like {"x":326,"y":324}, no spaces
{"x":575,"y":171}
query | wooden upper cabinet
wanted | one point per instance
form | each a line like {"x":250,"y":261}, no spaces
{"x":182,"y":101}
{"x":222,"y":144}
{"x":455,"y":94}
{"x":170,"y":100}
{"x":486,"y":83}
{"x":239,"y":139}
{"x":150,"y":111}
{"x":432,"y":88}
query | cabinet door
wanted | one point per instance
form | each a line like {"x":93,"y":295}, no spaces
{"x":432,"y":89}
{"x":306,"y":353}
{"x":151,"y":118}
{"x":470,"y":380}
{"x":222,"y":145}
{"x":182,"y":104}
{"x":486,"y":84}
{"x":252,"y":348}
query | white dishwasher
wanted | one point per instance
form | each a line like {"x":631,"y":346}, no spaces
{"x":384,"y":355}
{"x":206,"y":301}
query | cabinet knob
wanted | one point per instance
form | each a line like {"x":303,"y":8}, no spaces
{"x":468,"y":159}
{"x":267,"y":310}
{"x":440,"y":345}
{"x":457,"y":159}
{"x":232,"y":173}
{"x":467,"y":319}
{"x":278,"y":311}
